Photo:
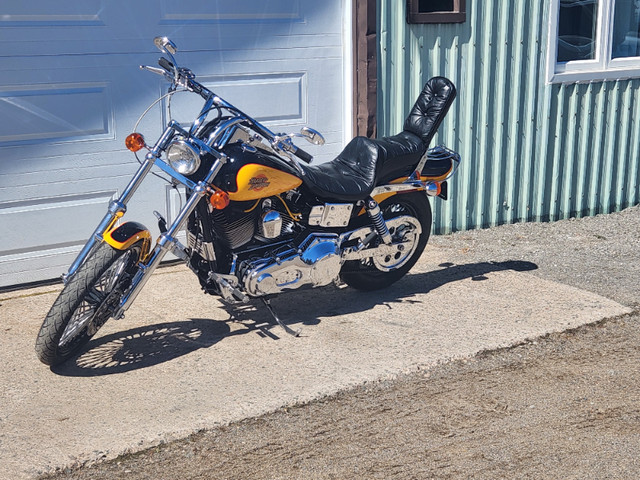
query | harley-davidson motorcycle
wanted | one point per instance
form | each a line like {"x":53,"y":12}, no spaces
{"x":259,"y":219}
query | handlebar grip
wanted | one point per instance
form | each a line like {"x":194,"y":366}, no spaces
{"x":302,"y":155}
{"x":166,"y":64}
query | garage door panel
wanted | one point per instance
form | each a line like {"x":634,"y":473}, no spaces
{"x":117,"y":27}
{"x":42,"y":113}
{"x":71,"y":87}
{"x":43,"y":28}
{"x":50,"y":27}
{"x":47,"y":171}
{"x":284,"y":103}
{"x":32,"y":220}
{"x":282,"y":96}
{"x":27,"y":268}
{"x":251,"y":93}
{"x":42,"y":225}
{"x":71,"y":125}
{"x":254,"y":11}
{"x":48,"y":16}
{"x":260,"y":18}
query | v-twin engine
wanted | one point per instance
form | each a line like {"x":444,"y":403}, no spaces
{"x":316,"y":261}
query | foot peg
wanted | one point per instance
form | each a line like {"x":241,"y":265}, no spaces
{"x":286,"y":328}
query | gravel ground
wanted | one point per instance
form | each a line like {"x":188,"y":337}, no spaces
{"x":563,"y":406}
{"x":600,"y":254}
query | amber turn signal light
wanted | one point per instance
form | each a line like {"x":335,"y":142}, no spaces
{"x":219,"y":200}
{"x":135,"y":142}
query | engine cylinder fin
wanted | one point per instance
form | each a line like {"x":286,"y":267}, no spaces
{"x":235,"y":231}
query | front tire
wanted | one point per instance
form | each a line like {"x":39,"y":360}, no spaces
{"x":86,"y":302}
{"x":364,"y":274}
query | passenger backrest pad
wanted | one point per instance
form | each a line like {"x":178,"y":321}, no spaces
{"x":430,"y":108}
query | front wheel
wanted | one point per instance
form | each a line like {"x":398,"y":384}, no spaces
{"x":379,"y":272}
{"x":86,"y":302}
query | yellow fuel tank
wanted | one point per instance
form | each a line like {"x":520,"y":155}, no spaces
{"x":257,"y":181}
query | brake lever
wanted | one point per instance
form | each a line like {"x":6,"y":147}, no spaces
{"x":284,"y":143}
{"x":283,"y":146}
{"x":158,"y":71}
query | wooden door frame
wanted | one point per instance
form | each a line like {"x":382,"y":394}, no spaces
{"x":365,"y":68}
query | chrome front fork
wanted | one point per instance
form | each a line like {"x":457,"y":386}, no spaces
{"x":117,"y":208}
{"x":167,"y":241}
{"x":165,"y":244}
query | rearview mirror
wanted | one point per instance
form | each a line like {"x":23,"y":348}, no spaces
{"x":312,"y":135}
{"x":165,"y":45}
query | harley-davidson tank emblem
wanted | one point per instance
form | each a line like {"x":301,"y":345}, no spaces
{"x":259,"y":182}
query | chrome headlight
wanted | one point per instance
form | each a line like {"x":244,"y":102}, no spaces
{"x":183,"y":157}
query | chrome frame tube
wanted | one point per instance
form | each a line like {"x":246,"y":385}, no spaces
{"x":260,"y":128}
{"x":202,"y":116}
{"x":166,"y":168}
{"x":212,"y":141}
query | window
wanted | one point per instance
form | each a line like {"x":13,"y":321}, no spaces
{"x":436,"y":11}
{"x":593,"y":40}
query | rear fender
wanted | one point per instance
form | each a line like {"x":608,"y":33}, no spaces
{"x":127,"y":234}
{"x":432,"y":186}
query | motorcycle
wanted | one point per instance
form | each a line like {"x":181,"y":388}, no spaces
{"x":259,"y":219}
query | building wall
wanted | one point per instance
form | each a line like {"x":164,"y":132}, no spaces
{"x":530,"y":151}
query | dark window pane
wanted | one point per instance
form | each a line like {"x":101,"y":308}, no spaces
{"x":577,"y":30}
{"x":428,"y":6}
{"x":435,"y":11}
{"x":626,"y":29}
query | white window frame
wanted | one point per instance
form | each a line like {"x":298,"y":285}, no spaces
{"x":603,"y":67}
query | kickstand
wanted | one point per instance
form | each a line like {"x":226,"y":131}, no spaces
{"x":286,"y":328}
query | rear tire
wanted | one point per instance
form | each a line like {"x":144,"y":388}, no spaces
{"x":86,"y":302}
{"x":364,"y":275}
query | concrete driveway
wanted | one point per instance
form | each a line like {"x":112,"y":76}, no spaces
{"x":180,"y":361}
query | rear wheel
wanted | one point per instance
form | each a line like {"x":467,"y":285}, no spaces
{"x":86,"y":302}
{"x":380,"y":271}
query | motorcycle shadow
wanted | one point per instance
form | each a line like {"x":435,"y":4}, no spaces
{"x":151,"y":345}
{"x":143,"y":347}
{"x":335,"y":301}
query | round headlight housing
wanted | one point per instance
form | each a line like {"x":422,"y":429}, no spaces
{"x":183,"y":157}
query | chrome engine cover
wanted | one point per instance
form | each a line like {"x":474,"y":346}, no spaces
{"x":315,"y":262}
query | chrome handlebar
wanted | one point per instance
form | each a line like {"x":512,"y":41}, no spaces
{"x":281,"y":144}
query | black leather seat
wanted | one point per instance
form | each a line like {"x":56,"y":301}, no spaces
{"x":364,"y":162}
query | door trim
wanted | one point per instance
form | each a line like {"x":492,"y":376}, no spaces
{"x":365,"y":68}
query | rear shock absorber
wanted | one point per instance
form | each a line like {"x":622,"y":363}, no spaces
{"x":373,"y":210}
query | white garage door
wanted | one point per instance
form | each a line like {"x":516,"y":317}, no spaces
{"x":70,"y":92}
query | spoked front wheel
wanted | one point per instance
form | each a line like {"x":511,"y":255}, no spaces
{"x":86,"y":302}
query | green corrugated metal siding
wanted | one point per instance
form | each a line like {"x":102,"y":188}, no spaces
{"x":530,"y":151}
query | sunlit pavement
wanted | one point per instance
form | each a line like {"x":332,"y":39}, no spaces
{"x":180,"y":361}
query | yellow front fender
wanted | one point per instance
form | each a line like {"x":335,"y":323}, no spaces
{"x":127,"y":234}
